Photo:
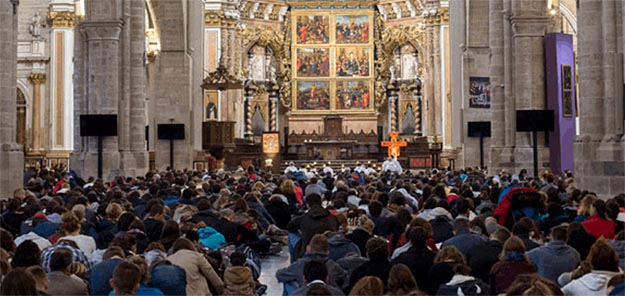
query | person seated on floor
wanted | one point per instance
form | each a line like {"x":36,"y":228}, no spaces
{"x":316,"y":274}
{"x":318,"y":250}
{"x":126,"y":279}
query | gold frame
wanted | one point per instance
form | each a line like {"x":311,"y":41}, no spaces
{"x":333,"y":48}
{"x":275,"y":138}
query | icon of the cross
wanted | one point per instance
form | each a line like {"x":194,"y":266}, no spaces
{"x":394,"y":145}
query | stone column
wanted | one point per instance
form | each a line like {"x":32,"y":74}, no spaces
{"x":11,"y":153}
{"x":497,"y":74}
{"x":37,"y":79}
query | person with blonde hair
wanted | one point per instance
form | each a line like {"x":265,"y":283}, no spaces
{"x":70,"y":230}
{"x":368,"y":286}
{"x":513,"y":262}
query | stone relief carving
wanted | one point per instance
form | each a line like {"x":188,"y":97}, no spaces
{"x":35,"y":26}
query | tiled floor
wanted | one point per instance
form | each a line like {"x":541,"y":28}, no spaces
{"x":271,"y":264}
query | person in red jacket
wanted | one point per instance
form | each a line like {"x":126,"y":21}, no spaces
{"x":598,"y":225}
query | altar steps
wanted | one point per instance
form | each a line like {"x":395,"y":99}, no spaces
{"x":336,"y":165}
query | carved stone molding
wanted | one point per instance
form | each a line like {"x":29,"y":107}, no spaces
{"x":441,"y":16}
{"x":219,"y":18}
{"x":62,"y":19}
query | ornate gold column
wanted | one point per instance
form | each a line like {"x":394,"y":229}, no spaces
{"x":37,"y":79}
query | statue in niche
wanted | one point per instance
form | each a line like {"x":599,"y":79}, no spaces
{"x":35,"y":26}
{"x":410,"y":63}
{"x":408,"y":123}
{"x":256,"y":63}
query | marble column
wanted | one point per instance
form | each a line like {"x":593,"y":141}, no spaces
{"x":11,"y":153}
{"x":37,"y":79}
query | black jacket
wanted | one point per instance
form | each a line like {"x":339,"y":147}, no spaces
{"x":419,"y":260}
{"x":440,"y":274}
{"x":380,"y":268}
{"x":360,"y":238}
{"x":153,"y":229}
{"x":316,"y":220}
{"x":209,"y":217}
{"x":483,"y":257}
{"x":280,"y":212}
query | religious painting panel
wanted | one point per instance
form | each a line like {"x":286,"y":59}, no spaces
{"x":353,"y":62}
{"x":313,"y":62}
{"x":312,"y":29}
{"x":313,"y":95}
{"x":211,"y":105}
{"x":353,"y":95}
{"x":353,"y":29}
{"x":567,"y":77}
{"x":479,"y":92}
{"x":567,"y":103}
{"x":271,"y":142}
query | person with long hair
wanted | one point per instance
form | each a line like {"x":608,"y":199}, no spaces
{"x":513,"y":262}
{"x":443,"y":269}
{"x":26,"y":254}
{"x":401,"y":281}
{"x":598,"y":224}
{"x":594,"y":273}
{"x":170,"y":233}
{"x":368,"y":286}
{"x":70,"y":230}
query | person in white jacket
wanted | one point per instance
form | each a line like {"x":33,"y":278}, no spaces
{"x":599,"y":267}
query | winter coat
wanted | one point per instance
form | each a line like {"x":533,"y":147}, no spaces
{"x":581,"y":241}
{"x":594,"y":283}
{"x":360,"y":237}
{"x":209,"y":217}
{"x":295,"y":271}
{"x":169,"y":278}
{"x":340,"y":246}
{"x":440,"y":274}
{"x":380,"y":268}
{"x":554,"y":259}
{"x":464,"y":285}
{"x":350,"y":262}
{"x":316,"y":220}
{"x":210,"y":238}
{"x":465,"y":241}
{"x":442,"y":229}
{"x":280,"y":211}
{"x":599,"y":227}
{"x":419,"y":260}
{"x":619,"y":247}
{"x":103,"y":232}
{"x":198,"y":271}
{"x":60,"y":283}
{"x":483,"y":257}
{"x":503,"y":274}
{"x":239,"y":281}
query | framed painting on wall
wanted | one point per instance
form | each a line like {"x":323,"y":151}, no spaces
{"x":313,"y":62}
{"x":313,"y":95}
{"x":353,"y":62}
{"x":479,"y":92}
{"x":353,"y":29}
{"x":312,"y":29}
{"x":353,"y":95}
{"x":567,"y":103}
{"x":211,"y":105}
{"x":567,"y":77}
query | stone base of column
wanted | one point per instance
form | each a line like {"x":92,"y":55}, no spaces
{"x":600,"y":166}
{"x":135,"y":163}
{"x":11,"y":169}
{"x":515,"y":159}
{"x":85,"y":164}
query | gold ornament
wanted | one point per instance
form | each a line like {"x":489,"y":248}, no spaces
{"x":62,"y":19}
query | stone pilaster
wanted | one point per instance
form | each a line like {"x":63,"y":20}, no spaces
{"x":599,"y":149}
{"x":37,"y":79}
{"x":11,"y":153}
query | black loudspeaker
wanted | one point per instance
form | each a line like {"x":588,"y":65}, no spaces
{"x":478,"y":129}
{"x":173,"y":131}
{"x":380,"y":134}
{"x":98,"y":125}
{"x":534,"y":120}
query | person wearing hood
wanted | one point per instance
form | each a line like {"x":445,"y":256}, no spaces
{"x":555,"y":257}
{"x":316,"y":220}
{"x":463,"y":284}
{"x":594,"y":274}
{"x":318,"y":249}
{"x":238,"y":277}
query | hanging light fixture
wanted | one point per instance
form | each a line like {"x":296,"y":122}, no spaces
{"x":221,"y":80}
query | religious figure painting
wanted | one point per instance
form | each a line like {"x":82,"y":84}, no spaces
{"x":567,"y":103}
{"x":353,"y":95}
{"x":271,"y":142}
{"x":313,"y":95}
{"x":567,"y":77}
{"x":352,"y":29}
{"x":352,"y":62}
{"x":479,"y":92}
{"x":313,"y":29}
{"x":211,"y":103}
{"x":313,"y":62}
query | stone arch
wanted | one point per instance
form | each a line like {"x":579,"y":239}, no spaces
{"x":569,"y":14}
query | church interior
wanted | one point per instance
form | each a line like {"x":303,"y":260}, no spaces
{"x":266,"y":82}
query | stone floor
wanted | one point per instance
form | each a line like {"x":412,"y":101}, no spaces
{"x":271,"y":264}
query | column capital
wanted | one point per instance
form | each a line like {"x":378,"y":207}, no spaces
{"x":62,"y":19}
{"x":37,"y":78}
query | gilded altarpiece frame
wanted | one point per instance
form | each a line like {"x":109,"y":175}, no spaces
{"x":341,"y":42}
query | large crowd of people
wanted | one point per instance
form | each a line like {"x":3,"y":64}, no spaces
{"x":356,"y":231}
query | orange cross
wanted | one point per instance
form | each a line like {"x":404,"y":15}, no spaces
{"x":394,"y":145}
